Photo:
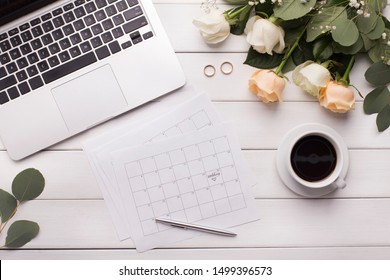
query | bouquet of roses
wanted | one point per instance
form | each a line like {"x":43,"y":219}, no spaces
{"x":318,"y":40}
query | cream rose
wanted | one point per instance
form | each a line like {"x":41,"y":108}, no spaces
{"x":311,"y":77}
{"x":264,"y":36}
{"x":213,"y":26}
{"x":337,"y":98}
{"x":266,"y":85}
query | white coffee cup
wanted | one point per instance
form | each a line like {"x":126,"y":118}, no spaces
{"x":332,"y":180}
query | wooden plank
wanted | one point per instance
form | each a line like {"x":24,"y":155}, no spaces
{"x":68,"y":175}
{"x":266,"y":124}
{"x":284,"y":223}
{"x":316,"y":253}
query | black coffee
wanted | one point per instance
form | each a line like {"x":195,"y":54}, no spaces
{"x":313,"y":158}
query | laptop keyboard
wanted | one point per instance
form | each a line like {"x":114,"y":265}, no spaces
{"x":65,"y":40}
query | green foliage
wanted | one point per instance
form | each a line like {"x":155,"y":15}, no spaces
{"x":354,"y":49}
{"x":27,"y":185}
{"x":292,"y":9}
{"x":378,"y":102}
{"x":262,"y":61}
{"x":317,"y":25}
{"x":239,"y":27}
{"x":378,"y":74}
{"x":8,"y":205}
{"x":20,"y":233}
{"x":345,"y":32}
{"x":379,"y":28}
{"x":322,"y":49}
{"x":236,"y":2}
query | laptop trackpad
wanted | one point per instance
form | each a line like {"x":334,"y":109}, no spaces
{"x":89,"y":99}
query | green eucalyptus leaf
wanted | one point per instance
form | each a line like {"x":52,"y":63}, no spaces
{"x":302,"y":53}
{"x":236,"y":2}
{"x":263,"y":61}
{"x":345,"y":33}
{"x":8,"y":205}
{"x":376,"y":100}
{"x":28,"y":184}
{"x":289,"y":66}
{"x":376,"y":33}
{"x":331,"y":3}
{"x":317,"y":25}
{"x":366,"y":24}
{"x":265,"y":8}
{"x":367,"y":43}
{"x":378,"y":74}
{"x":383,"y":119}
{"x":354,"y":49}
{"x":292,"y":9}
{"x":20,"y":233}
{"x":376,"y":5}
{"x":322,"y":49}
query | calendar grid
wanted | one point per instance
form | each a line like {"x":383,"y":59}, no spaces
{"x":190,"y":183}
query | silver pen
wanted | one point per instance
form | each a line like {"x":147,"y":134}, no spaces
{"x":194,"y":227}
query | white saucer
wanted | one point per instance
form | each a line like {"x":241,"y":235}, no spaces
{"x":283,"y":157}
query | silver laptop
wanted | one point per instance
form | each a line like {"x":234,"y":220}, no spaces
{"x":66,"y":66}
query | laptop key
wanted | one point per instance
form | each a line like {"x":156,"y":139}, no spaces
{"x":3,"y":98}
{"x":16,"y":41}
{"x":107,"y":24}
{"x":68,"y":7}
{"x":24,"y":26}
{"x":69,"y":67}
{"x":89,"y":20}
{"x":4,"y":58}
{"x":148,"y":35}
{"x":68,"y":29}
{"x":7,"y":82}
{"x":21,"y":76}
{"x":111,"y":10}
{"x":47,"y":39}
{"x":24,"y":88}
{"x":101,"y":3}
{"x":37,"y":31}
{"x":100,"y":15}
{"x":46,"y":17}
{"x":54,"y":48}
{"x":90,"y":7}
{"x":133,"y":13}
{"x":5,"y":46}
{"x":107,"y":37}
{"x":114,"y":47}
{"x":22,"y":63}
{"x":32,"y":58}
{"x":3,"y":36}
{"x":86,"y":34}
{"x":111,"y":1}
{"x":96,"y":42}
{"x":69,"y":16}
{"x":32,"y":71}
{"x":53,"y":61}
{"x":121,"y":5}
{"x":117,"y":32}
{"x":13,"y":32}
{"x":26,"y":49}
{"x":43,"y":66}
{"x":35,"y":82}
{"x":57,"y":34}
{"x":3,"y":72}
{"x":26,"y":36}
{"x":57,"y":12}
{"x":75,"y":51}
{"x":97,"y":29}
{"x":15,"y":53}
{"x":64,"y":56}
{"x":47,"y":26}
{"x":78,"y":24}
{"x":118,"y":19}
{"x":36,"y":44}
{"x":80,"y":12}
{"x":85,"y":47}
{"x":13,"y":93}
{"x":43,"y":53}
{"x":65,"y":43}
{"x":102,"y":52}
{"x":75,"y":39}
{"x":135,"y":24}
{"x":35,"y":21}
{"x":58,"y":21}
{"x":79,"y":2}
{"x":132,"y":3}
{"x":11,"y":67}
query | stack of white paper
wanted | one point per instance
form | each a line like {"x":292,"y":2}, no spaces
{"x":184,"y":165}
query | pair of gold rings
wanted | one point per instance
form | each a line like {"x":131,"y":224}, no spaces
{"x":226,"y":68}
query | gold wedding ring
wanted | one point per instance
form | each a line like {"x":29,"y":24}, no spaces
{"x":209,"y":70}
{"x":226,"y":68}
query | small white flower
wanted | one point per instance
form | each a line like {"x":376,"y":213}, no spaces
{"x":388,"y":43}
{"x":359,"y":12}
{"x":367,"y":15}
{"x":362,"y":3}
{"x":251,"y":3}
{"x":334,"y":27}
{"x":384,"y":35}
{"x":262,"y":1}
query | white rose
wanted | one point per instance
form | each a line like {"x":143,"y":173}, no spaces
{"x":311,"y":77}
{"x":264,"y":36}
{"x":213,"y":26}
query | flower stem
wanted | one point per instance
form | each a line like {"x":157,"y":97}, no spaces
{"x":236,"y":13}
{"x":289,"y":53}
{"x":345,"y":77}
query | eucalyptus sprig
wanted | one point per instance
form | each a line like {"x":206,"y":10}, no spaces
{"x":27,"y":185}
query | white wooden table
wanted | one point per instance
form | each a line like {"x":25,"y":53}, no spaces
{"x":353,"y":223}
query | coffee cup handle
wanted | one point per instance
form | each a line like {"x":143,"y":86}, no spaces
{"x":340,"y":183}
